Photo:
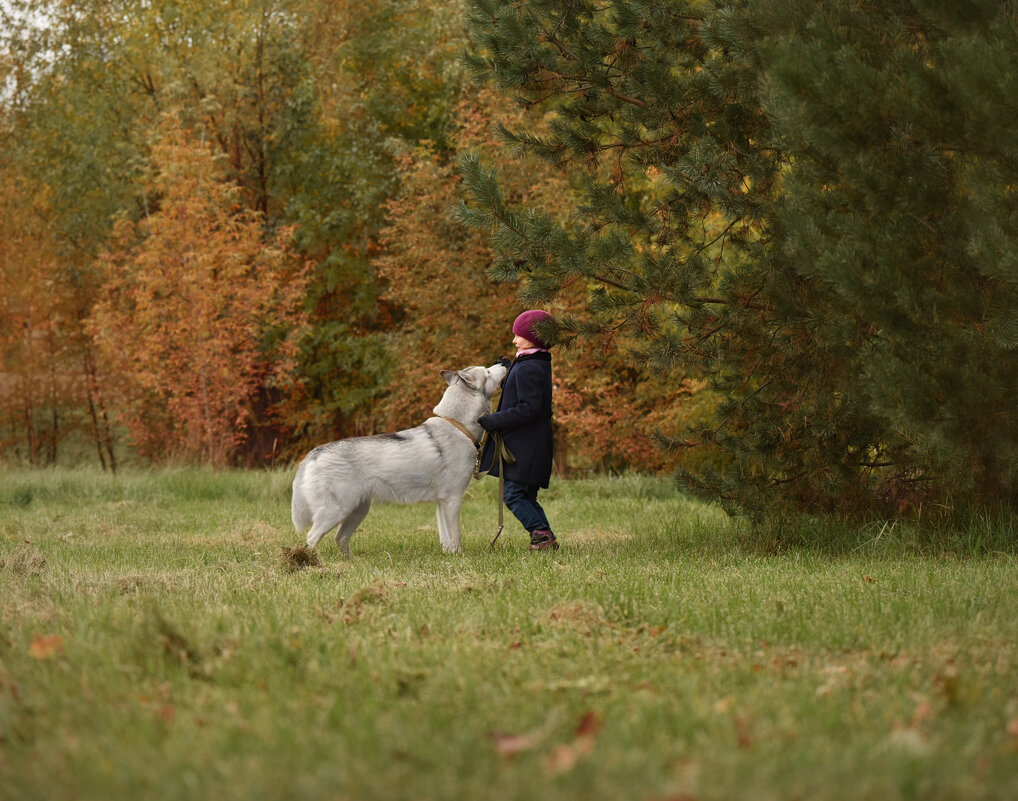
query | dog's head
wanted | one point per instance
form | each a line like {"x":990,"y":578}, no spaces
{"x":485,"y":380}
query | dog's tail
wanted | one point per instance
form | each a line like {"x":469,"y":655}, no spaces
{"x":300,"y":512}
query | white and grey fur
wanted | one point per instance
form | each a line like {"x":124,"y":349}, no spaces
{"x":336,"y":483}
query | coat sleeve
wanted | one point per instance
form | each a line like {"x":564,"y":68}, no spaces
{"x":529,"y":393}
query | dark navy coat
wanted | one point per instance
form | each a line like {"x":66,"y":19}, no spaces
{"x":523,"y":418}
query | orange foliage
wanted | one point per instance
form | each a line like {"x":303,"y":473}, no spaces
{"x":453,"y":315}
{"x":38,"y":327}
{"x":199,"y":314}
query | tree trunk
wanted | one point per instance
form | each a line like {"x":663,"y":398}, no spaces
{"x":97,"y":410}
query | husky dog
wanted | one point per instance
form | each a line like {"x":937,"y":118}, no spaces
{"x":336,"y":483}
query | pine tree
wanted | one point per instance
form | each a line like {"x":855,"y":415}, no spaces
{"x":810,"y":204}
{"x":898,"y":212}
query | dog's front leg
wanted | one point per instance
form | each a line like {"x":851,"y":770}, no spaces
{"x":449,"y":524}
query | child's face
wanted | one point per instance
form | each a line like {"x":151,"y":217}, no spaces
{"x":522,"y":343}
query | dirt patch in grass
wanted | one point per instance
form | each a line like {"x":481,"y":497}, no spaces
{"x":300,"y":558}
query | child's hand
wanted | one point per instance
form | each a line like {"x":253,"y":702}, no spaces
{"x":485,"y":422}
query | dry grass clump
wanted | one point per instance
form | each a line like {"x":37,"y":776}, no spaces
{"x":582,"y":616}
{"x":372,"y":594}
{"x":299,"y":558}
{"x":24,"y":560}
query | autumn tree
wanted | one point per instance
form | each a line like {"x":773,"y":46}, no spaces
{"x":200,"y":315}
{"x":31,"y":396}
{"x":281,"y":89}
{"x":391,"y":82}
{"x":319,"y":113}
{"x":68,"y":136}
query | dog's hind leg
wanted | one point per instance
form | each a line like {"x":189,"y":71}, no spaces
{"x":349,"y":526}
{"x":323,"y":525}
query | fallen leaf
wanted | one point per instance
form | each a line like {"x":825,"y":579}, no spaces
{"x":509,"y":745}
{"x":46,"y":647}
{"x":563,"y":758}
{"x":589,"y":726}
{"x":923,"y":711}
{"x":743,"y":732}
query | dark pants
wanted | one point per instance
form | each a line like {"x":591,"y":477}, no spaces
{"x":522,"y":502}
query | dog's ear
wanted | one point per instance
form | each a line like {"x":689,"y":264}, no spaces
{"x":473,"y":377}
{"x":468,"y":377}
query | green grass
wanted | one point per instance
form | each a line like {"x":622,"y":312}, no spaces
{"x":154,"y":645}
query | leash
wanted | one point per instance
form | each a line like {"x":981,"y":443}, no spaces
{"x":502,"y":457}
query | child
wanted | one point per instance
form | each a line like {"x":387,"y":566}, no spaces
{"x":523,"y":419}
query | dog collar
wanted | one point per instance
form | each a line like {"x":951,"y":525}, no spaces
{"x":462,"y":428}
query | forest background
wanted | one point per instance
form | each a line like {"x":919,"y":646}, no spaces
{"x":229,"y":233}
{"x":780,"y":236}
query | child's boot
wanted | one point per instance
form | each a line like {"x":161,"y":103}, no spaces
{"x":542,"y":539}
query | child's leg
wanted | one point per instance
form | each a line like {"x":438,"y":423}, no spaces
{"x":522,"y":502}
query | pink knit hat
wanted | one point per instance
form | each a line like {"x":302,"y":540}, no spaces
{"x":526,"y":326}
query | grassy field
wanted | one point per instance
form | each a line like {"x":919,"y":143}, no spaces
{"x":153,"y":644}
